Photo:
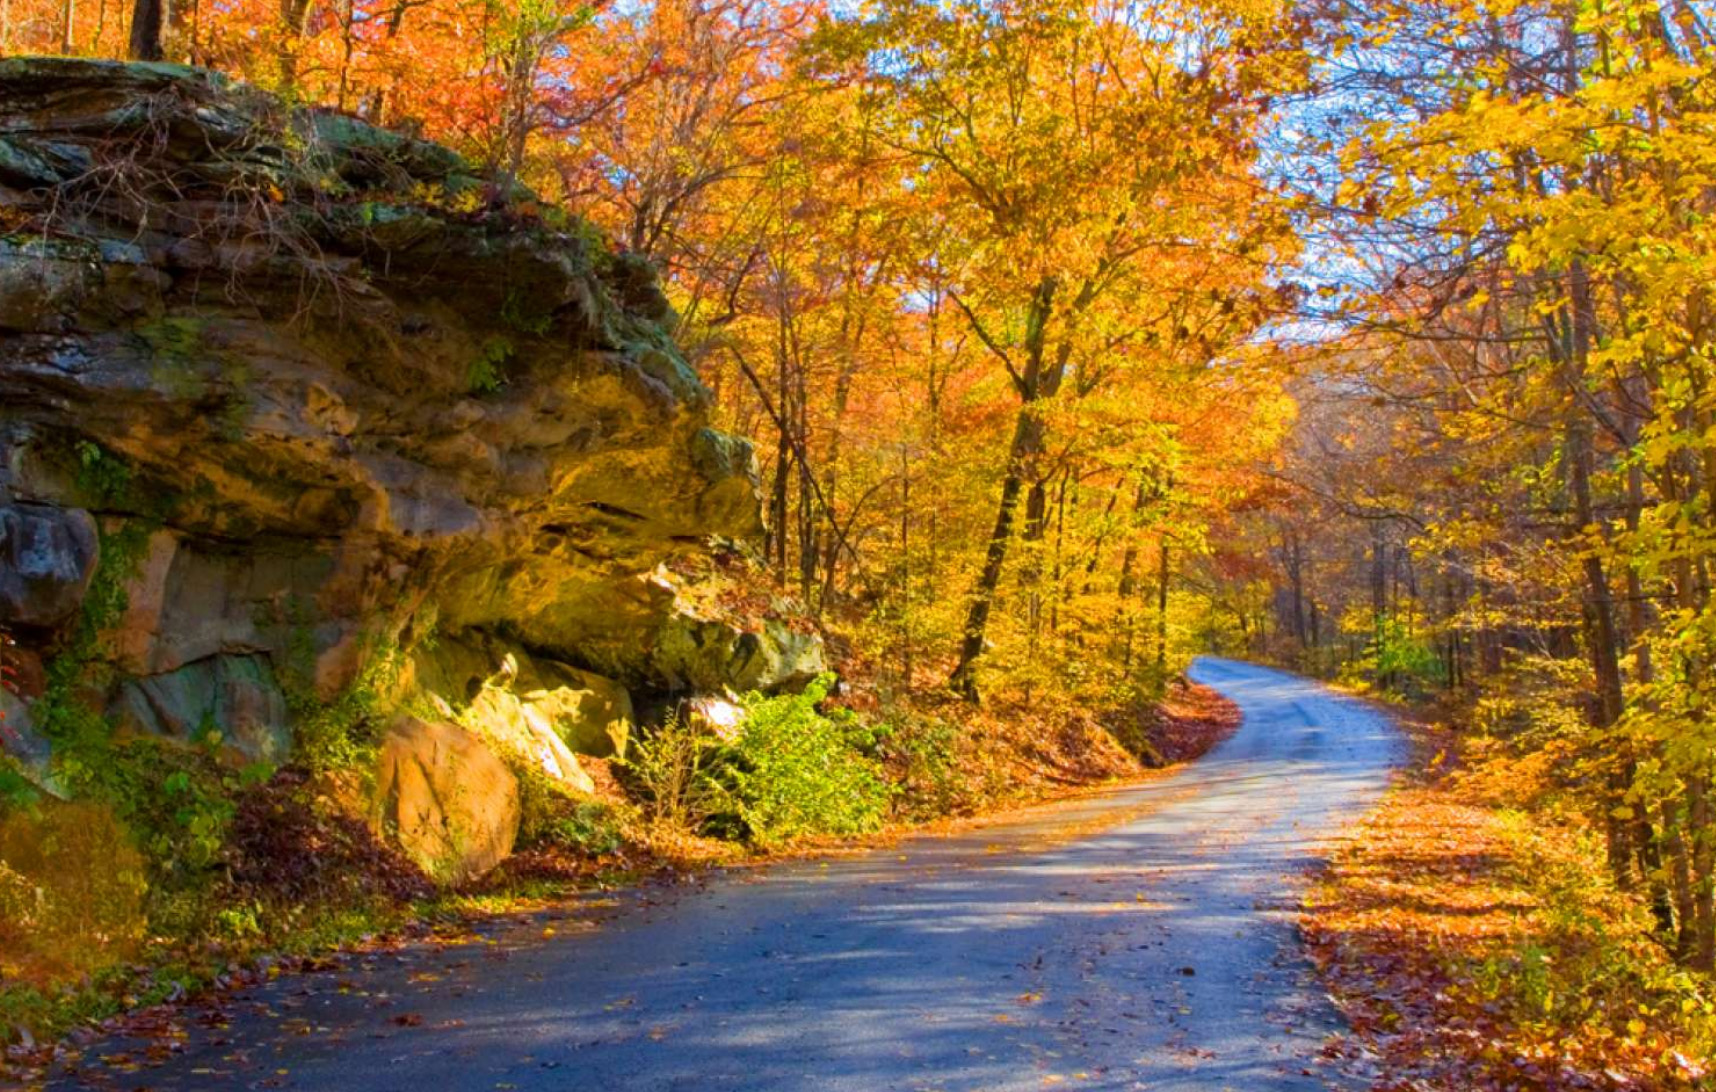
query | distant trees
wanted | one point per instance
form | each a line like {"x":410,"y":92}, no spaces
{"x":1085,"y":196}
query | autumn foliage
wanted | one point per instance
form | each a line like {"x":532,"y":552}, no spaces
{"x":982,"y":278}
{"x":1470,"y":947}
{"x":1078,"y":335}
{"x":1502,"y":473}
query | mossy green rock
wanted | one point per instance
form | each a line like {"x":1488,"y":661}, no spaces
{"x":703,"y":654}
{"x":237,"y":697}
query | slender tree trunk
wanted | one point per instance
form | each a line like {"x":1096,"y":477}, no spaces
{"x":1379,"y":599}
{"x":1057,"y":574}
{"x":842,"y":397}
{"x":522,"y":84}
{"x":1679,"y":878}
{"x":149,"y":21}
{"x":1294,"y":551}
{"x":377,"y":108}
{"x":1162,"y":571}
{"x":776,"y":542}
{"x":1647,"y":848}
{"x":1037,"y":381}
{"x":348,"y":45}
{"x":1601,"y":637}
{"x":294,"y":16}
{"x":1031,"y":566}
{"x":1126,"y":590}
{"x":1026,"y":445}
{"x":808,"y":550}
{"x":775,"y":545}
{"x":905,"y":568}
{"x":1704,"y":872}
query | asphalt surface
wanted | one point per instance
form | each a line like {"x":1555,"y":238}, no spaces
{"x":1136,"y":939}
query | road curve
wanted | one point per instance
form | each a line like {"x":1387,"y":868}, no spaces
{"x":1136,"y":939}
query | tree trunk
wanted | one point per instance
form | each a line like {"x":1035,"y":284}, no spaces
{"x":905,"y":568}
{"x":1161,"y":681}
{"x":1599,"y":608}
{"x":1027,"y":444}
{"x":148,"y":23}
{"x":1034,"y":383}
{"x":1704,"y":873}
{"x":775,"y":545}
{"x":1295,"y":555}
{"x":294,"y":17}
{"x":1031,"y":567}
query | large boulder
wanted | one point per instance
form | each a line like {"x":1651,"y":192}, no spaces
{"x":446,"y":798}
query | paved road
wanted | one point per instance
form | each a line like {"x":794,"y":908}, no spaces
{"x":1138,"y":939}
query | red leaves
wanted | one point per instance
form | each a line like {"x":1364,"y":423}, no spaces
{"x":1190,"y":721}
{"x":285,"y":845}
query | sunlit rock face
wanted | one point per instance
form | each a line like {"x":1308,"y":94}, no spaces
{"x":312,"y":394}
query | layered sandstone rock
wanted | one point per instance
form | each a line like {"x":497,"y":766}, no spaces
{"x":311,"y":393}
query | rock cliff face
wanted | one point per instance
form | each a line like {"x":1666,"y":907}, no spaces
{"x":281,"y":394}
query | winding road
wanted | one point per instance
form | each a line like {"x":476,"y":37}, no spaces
{"x":1140,"y":938}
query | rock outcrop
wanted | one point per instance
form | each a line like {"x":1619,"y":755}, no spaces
{"x":305,"y":393}
{"x":47,"y":557}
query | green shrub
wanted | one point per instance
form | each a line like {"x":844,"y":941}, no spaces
{"x":794,"y":770}
{"x":17,"y":792}
{"x":552,"y":815}
{"x":1590,"y":957}
{"x":487,"y":371}
{"x":921,"y":755}
{"x":1399,"y":658}
{"x":588,"y":827}
{"x":343,"y":733}
{"x":670,"y":770}
{"x":788,"y":770}
{"x":177,"y":803}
